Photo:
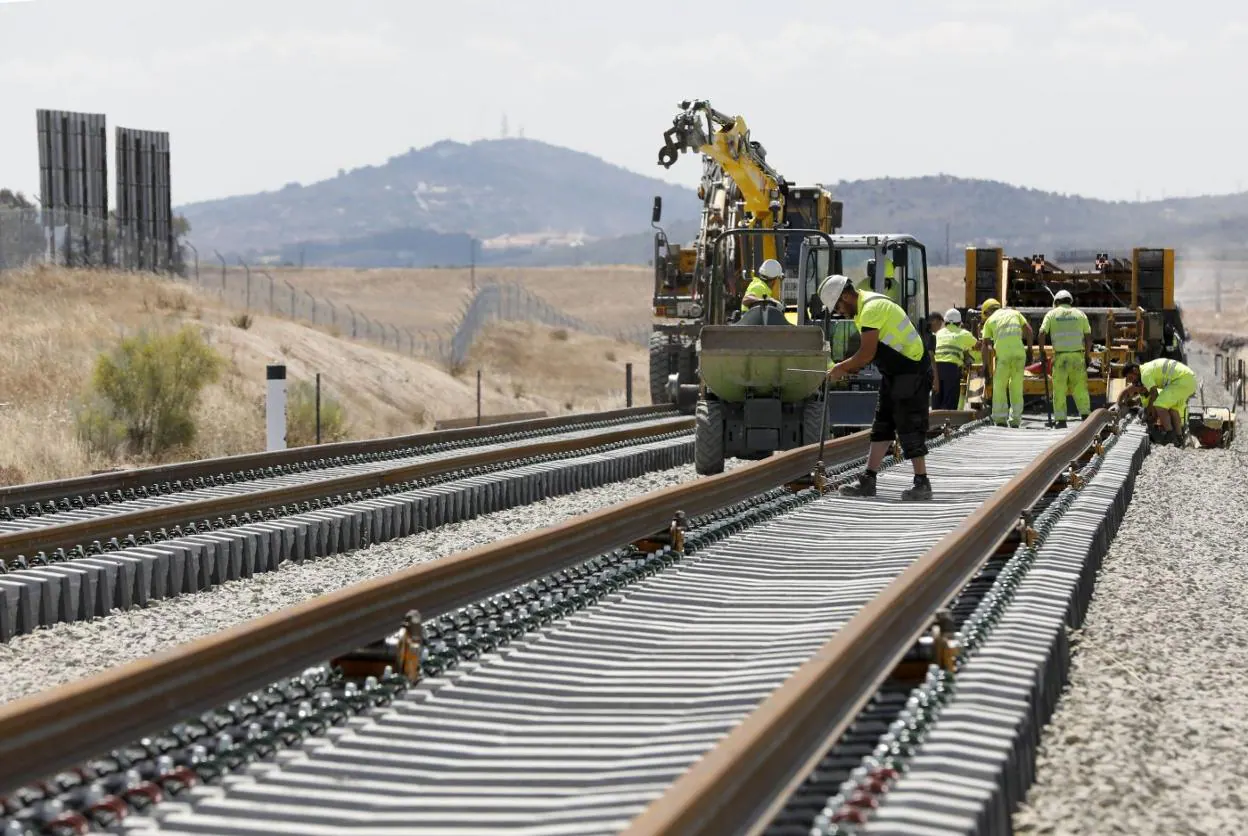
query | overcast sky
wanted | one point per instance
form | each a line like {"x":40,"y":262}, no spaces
{"x":1105,"y":99}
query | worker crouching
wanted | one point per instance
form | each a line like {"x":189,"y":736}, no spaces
{"x":890,"y":340}
{"x":1166,"y":386}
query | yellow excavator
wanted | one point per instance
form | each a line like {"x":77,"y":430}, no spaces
{"x":739,"y":190}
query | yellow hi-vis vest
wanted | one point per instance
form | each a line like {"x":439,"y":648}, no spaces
{"x":1065,"y":326}
{"x":1158,"y":374}
{"x":759,"y":287}
{"x":875,"y":310}
{"x":953,"y":344}
{"x":1005,"y":329}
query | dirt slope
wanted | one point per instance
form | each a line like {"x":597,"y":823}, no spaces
{"x":58,"y":321}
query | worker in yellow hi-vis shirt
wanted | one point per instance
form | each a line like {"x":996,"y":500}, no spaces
{"x":1004,"y":333}
{"x":1068,"y":328}
{"x":1167,"y":386}
{"x":953,"y":353}
{"x":892,"y":343}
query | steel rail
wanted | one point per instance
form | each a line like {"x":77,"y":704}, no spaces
{"x":739,"y":786}
{"x":68,"y":535}
{"x":146,"y":477}
{"x":58,"y":728}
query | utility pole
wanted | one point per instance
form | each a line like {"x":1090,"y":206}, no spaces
{"x":472,"y":264}
{"x":947,"y":255}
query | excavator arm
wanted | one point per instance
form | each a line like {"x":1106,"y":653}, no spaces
{"x":726,"y":140}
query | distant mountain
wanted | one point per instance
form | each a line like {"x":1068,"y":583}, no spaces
{"x":984,"y":212}
{"x":539,"y":204}
{"x":487,"y":189}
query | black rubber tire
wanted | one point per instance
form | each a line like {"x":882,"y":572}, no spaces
{"x":660,"y":368}
{"x":708,"y":438}
{"x":812,"y":421}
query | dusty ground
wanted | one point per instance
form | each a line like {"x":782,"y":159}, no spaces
{"x":59,"y":321}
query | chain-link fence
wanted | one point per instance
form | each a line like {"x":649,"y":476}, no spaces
{"x":256,"y":289}
{"x":512,"y":303}
{"x":71,"y":239}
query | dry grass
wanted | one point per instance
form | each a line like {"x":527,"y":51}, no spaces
{"x":561,"y":371}
{"x":58,"y":321}
{"x":431,"y":298}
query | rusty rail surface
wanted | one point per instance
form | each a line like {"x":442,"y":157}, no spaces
{"x":68,"y":535}
{"x":146,"y":477}
{"x":740,"y":785}
{"x":63,"y":726}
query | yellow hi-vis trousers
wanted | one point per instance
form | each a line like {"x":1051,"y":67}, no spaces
{"x":1070,"y":375}
{"x":1008,"y":377}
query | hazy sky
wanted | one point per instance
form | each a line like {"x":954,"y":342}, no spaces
{"x":1105,"y":99}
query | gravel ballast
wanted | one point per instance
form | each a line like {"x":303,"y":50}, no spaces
{"x":1148,"y":737}
{"x":70,"y":651}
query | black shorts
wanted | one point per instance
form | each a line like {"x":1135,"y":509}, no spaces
{"x":902,"y":411}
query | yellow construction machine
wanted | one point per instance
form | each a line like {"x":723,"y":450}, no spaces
{"x":739,"y":190}
{"x":1129,"y":304}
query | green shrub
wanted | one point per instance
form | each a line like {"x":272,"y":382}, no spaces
{"x":301,"y":415}
{"x":144,"y":392}
{"x":242,"y":320}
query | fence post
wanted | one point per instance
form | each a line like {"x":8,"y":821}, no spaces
{"x":318,"y":407}
{"x":312,"y":299}
{"x":478,"y":397}
{"x":275,"y":408}
{"x":222,"y":273}
{"x":292,"y":297}
{"x":188,"y":243}
{"x":248,"y":269}
{"x":628,"y":384}
{"x":270,"y":278}
{"x":353,"y":326}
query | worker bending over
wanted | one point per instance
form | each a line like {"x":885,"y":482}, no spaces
{"x":1068,"y":328}
{"x":1166,"y":386}
{"x":953,"y":354}
{"x":890,"y":340}
{"x":762,"y":286}
{"x":1003,"y":335}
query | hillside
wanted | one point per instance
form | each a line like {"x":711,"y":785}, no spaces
{"x":384,"y":393}
{"x":488,"y":189}
{"x":527,"y":202}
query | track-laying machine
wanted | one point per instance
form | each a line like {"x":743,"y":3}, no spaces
{"x":739,"y":190}
{"x":1129,"y":303}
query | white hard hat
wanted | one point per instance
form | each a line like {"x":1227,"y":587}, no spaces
{"x":771,"y":269}
{"x":831,"y":289}
{"x":1062,"y":296}
{"x":953,"y":316}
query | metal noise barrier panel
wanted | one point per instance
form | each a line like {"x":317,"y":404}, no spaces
{"x":977,"y":761}
{"x":88,"y":588}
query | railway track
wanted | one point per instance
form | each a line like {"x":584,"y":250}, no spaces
{"x":590,"y":678}
{"x":206,"y":523}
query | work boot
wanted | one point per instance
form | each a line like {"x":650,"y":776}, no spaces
{"x":921,"y":491}
{"x":865,"y":486}
{"x":1061,"y":425}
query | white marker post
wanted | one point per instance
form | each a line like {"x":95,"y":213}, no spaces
{"x":275,"y":408}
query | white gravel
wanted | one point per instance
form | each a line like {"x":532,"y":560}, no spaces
{"x":66,"y":652}
{"x":1149,"y":737}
